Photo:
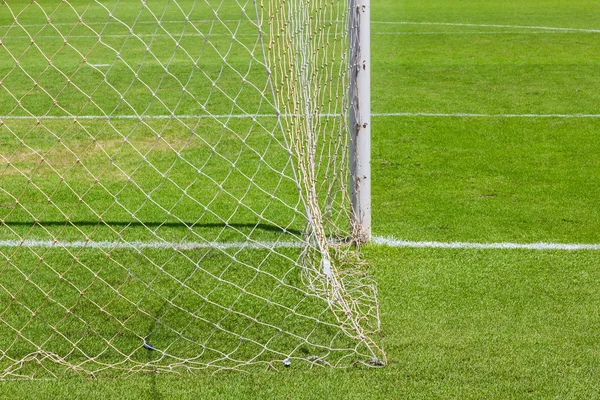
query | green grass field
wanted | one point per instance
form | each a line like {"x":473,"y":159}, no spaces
{"x":457,"y":323}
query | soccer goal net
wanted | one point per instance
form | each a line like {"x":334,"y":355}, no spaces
{"x":174,"y":187}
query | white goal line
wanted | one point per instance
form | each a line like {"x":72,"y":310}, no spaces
{"x":138,"y":245}
{"x":181,"y":35}
{"x":393,"y":242}
{"x":251,"y":116}
{"x":476,"y":115}
{"x":269,"y":245}
{"x":529,"y":32}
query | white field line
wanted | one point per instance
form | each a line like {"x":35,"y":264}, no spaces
{"x":181,"y":35}
{"x":137,"y":245}
{"x":142,"y":117}
{"x":393,"y":242}
{"x":545,"y":28}
{"x":251,"y":116}
{"x":477,"y":33}
{"x":472,"y":115}
{"x":139,"y":117}
{"x":115,"y":22}
{"x":258,"y":245}
{"x":140,"y":35}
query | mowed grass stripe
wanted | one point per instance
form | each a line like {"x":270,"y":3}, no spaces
{"x":487,"y":179}
{"x":486,"y":74}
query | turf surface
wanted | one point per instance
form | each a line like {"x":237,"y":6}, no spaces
{"x":462,"y":323}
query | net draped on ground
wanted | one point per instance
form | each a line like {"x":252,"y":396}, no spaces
{"x":174,"y":188}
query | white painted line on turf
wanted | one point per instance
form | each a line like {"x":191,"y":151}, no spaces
{"x":181,"y":35}
{"x":136,"y":117}
{"x":547,"y":28}
{"x":122,"y":24}
{"x":137,"y":245}
{"x":258,"y":245}
{"x":250,"y":116}
{"x":470,"y":115}
{"x":177,"y":35}
{"x":476,"y":33}
{"x":143,"y":117}
{"x":393,"y":242}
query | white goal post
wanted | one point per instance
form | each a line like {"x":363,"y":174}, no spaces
{"x":184,"y":185}
{"x":360,"y":117}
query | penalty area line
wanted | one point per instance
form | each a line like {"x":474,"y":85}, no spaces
{"x":256,"y":116}
{"x":393,"y":242}
{"x":271,"y":245}
{"x":473,"y":115}
{"x":138,"y":245}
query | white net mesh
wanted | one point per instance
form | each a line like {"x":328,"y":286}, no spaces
{"x":173,"y":188}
